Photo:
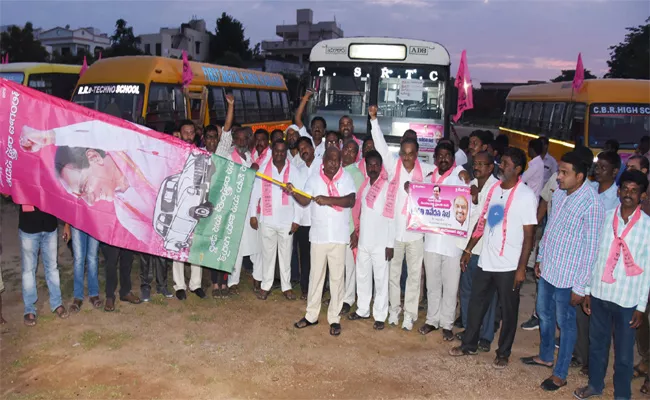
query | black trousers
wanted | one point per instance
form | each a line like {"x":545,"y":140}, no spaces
{"x":304,"y":253}
{"x":150,"y":265}
{"x":218,"y":277}
{"x":125,"y":257}
{"x":484,"y":285}
{"x":581,"y":348}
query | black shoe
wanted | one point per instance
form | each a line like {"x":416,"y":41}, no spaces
{"x":484,"y":346}
{"x":447,"y":335}
{"x":145,"y":294}
{"x":378,"y":326}
{"x":181,"y":295}
{"x":354,"y":316}
{"x":199,"y":292}
{"x":458,"y":323}
{"x":460,"y":335}
{"x":531,"y":325}
{"x":345,"y":309}
{"x":549,"y":386}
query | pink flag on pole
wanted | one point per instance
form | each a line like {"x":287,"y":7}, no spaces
{"x":187,"y":70}
{"x":84,"y":67}
{"x":464,"y":85}
{"x":579,"y":76}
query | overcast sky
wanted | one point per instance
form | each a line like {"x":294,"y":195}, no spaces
{"x":506,"y":41}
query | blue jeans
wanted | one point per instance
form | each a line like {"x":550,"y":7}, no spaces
{"x":85,"y":249}
{"x":554,"y":308}
{"x":487,"y":326}
{"x":30,"y":245}
{"x":605,"y":318}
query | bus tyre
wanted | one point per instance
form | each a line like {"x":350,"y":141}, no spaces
{"x":202,"y":211}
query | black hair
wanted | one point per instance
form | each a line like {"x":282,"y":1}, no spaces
{"x":211,"y":128}
{"x":277,"y":131}
{"x":637,"y":177}
{"x":337,"y":133}
{"x":437,"y":186}
{"x":75,"y":157}
{"x":374,"y":154}
{"x":489,"y":156}
{"x":517,"y":156}
{"x":463,"y":144}
{"x":279,"y":141}
{"x":502,"y":138}
{"x":409,"y":140}
{"x":611,"y":158}
{"x":186,"y":122}
{"x":544,"y":140}
{"x":613,"y":143}
{"x":262,"y":132}
{"x":346,"y":116}
{"x":306,"y":140}
{"x":351,"y":141}
{"x":643,"y":161}
{"x":410,"y":132}
{"x":444,"y":145}
{"x":577,"y":161}
{"x":366,"y":140}
{"x":645,"y":139}
{"x":537,"y":145}
{"x":317,"y":118}
{"x":246,"y":131}
{"x":169,"y":128}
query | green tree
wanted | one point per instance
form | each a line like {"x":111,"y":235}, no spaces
{"x":123,"y":41}
{"x":21,"y":45}
{"x":73,"y":59}
{"x":229,"y":38}
{"x":630,"y":59}
{"x":567,"y":75}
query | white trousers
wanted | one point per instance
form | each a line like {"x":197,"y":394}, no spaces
{"x":276,"y":242}
{"x":323,"y":256}
{"x":350,"y":277}
{"x":372,"y":266}
{"x":414,"y":255}
{"x":256,"y":259}
{"x":443,"y":276}
{"x":178,"y":274}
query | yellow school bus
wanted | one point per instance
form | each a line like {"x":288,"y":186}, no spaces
{"x":602,"y":109}
{"x":148,"y":90}
{"x":55,"y":79}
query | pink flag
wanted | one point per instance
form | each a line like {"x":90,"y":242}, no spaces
{"x":84,"y":67}
{"x":187,"y":70}
{"x":579,"y":76}
{"x":464,"y":85}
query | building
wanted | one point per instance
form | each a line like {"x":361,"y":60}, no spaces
{"x":68,"y":41}
{"x":170,"y":42}
{"x":298,"y":40}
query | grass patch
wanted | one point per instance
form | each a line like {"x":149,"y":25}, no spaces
{"x":118,"y":340}
{"x":90,"y":339}
{"x":159,"y":300}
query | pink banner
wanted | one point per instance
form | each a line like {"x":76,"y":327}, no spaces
{"x":439,"y":209}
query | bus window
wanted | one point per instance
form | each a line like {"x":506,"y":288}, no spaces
{"x":286,"y":108}
{"x":546,"y":118}
{"x":511,"y":114}
{"x":278,"y":112}
{"x":239,"y":106}
{"x":504,"y":116}
{"x":417,"y":97}
{"x":123,"y":100}
{"x":536,"y":116}
{"x":252,"y":106}
{"x":525,"y":116}
{"x":166,"y":104}
{"x":217,"y":104}
{"x":266,"y":109}
{"x":17,"y":77}
{"x":519,"y":107}
{"x":577,"y":128}
{"x":565,"y":133}
{"x":627,"y":123}
{"x":556,"y":120}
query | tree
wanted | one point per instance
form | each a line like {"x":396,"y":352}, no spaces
{"x":21,"y":45}
{"x":567,"y":75}
{"x":73,"y":59}
{"x":229,"y":38}
{"x":123,"y":41}
{"x":631,"y":58}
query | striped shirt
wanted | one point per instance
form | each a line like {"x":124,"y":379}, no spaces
{"x":627,"y":291}
{"x":568,"y":248}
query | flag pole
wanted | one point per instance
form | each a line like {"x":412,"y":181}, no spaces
{"x":281,"y":184}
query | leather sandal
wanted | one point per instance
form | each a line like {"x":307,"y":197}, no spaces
{"x":75,"y":307}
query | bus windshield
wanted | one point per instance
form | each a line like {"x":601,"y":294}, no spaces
{"x":124,"y":101}
{"x":626,"y":123}
{"x":414,"y":93}
{"x":342,"y":91}
{"x":17,"y":77}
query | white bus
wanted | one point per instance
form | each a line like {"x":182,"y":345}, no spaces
{"x":407,"y":79}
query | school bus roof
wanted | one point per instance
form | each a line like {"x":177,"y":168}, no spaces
{"x":146,"y":69}
{"x":592,"y":91}
{"x":35,"y":68}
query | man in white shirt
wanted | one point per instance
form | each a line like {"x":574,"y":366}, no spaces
{"x":534,"y":175}
{"x":441,"y":255}
{"x":375,"y":240}
{"x":262,"y":153}
{"x":550,"y":163}
{"x":505,"y":252}
{"x":318,"y":126}
{"x":279,"y":219}
{"x":333,"y":193}
{"x":483,"y":166}
{"x":463,"y":149}
{"x":406,"y":168}
{"x":292,"y":133}
{"x":605,"y":172}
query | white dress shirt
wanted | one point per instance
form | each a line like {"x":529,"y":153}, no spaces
{"x":307,"y":172}
{"x":550,"y":167}
{"x":329,"y":225}
{"x":533,"y":177}
{"x":283,"y":215}
{"x":375,"y":231}
{"x":318,"y":150}
{"x":461,"y":157}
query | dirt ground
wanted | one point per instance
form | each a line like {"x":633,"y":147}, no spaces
{"x":236,"y":348}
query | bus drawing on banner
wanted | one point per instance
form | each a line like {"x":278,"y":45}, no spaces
{"x":58,"y":80}
{"x":148,"y":90}
{"x":407,"y":79}
{"x":602,"y":109}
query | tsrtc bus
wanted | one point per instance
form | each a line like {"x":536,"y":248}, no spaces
{"x":148,"y":90}
{"x":54,"y":79}
{"x":407,"y":79}
{"x":602,"y":109}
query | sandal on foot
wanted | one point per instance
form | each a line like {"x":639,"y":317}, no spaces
{"x":532,"y":361}
{"x":645,"y":389}
{"x":109,"y":306}
{"x":550,"y":386}
{"x":335,"y":329}
{"x":289,"y":295}
{"x":303,"y":323}
{"x":303,"y":296}
{"x":131,"y":298}
{"x":378,"y":325}
{"x":426,"y":328}
{"x":216,"y":293}
{"x":500,"y":362}
{"x":75,"y":307}
{"x":263,"y":294}
{"x":96,"y":302}
{"x":61,"y":312}
{"x":29,"y":319}
{"x":354,"y":316}
{"x":459,"y":351}
{"x":234,"y":290}
{"x":640,"y":370}
{"x":585,"y":393}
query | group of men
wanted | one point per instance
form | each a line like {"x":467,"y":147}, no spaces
{"x":342,"y":212}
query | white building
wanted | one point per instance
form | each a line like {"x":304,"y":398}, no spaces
{"x":170,"y":42}
{"x":70,"y":41}
{"x":298,"y":40}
